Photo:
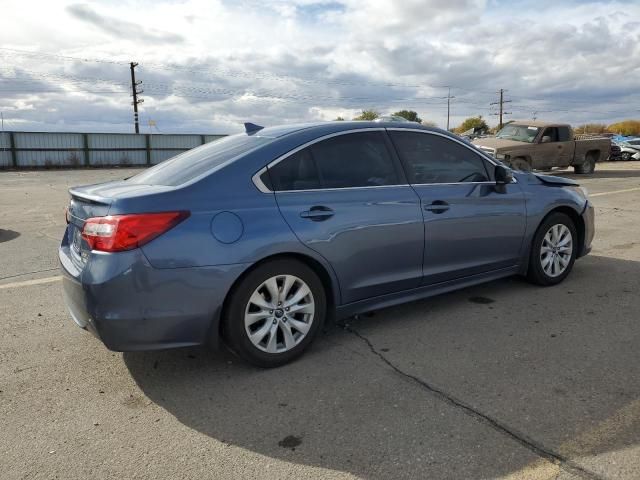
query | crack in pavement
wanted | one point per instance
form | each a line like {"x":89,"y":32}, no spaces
{"x":560,"y":460}
{"x":30,"y":273}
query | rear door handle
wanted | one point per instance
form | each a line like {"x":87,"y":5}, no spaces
{"x":317,"y":213}
{"x":437,"y":207}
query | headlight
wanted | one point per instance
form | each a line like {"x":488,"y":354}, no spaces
{"x":502,"y":156}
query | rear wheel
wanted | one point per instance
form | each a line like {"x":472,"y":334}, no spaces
{"x":626,"y":156}
{"x":275,"y":312}
{"x":588,"y":166}
{"x":553,"y":251}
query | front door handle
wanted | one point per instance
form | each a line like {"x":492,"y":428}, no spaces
{"x":438,"y":206}
{"x":317,"y":213}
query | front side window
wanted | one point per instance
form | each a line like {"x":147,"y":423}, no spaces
{"x":352,"y":160}
{"x":552,"y":133}
{"x":431,"y":158}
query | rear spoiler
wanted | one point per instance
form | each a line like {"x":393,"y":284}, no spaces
{"x":85,"y":197}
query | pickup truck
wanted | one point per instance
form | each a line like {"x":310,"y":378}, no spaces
{"x":526,"y":145}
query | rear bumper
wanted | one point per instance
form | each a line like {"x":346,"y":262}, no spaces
{"x":588,"y":218}
{"x":130,"y":305}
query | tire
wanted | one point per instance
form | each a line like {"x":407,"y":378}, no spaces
{"x":541,"y":272}
{"x":626,"y":156}
{"x":280,"y":336}
{"x":520,"y":163}
{"x":588,"y":166}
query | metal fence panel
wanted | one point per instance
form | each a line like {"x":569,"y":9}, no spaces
{"x":43,"y":140}
{"x":49,"y":158}
{"x":5,"y":153}
{"x":175,"y":141}
{"x":51,"y":149}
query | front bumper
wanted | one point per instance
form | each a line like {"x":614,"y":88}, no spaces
{"x":588,"y":219}
{"x":130,"y":305}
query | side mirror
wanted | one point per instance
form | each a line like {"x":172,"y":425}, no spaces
{"x":545,"y":139}
{"x":503,"y":175}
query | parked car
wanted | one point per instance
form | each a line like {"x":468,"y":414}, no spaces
{"x":615,"y":153}
{"x":261,"y":237}
{"x":539,"y":145}
{"x":630,"y":149}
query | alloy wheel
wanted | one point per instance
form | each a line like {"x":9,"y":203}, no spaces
{"x":556,"y":250}
{"x":279,"y":314}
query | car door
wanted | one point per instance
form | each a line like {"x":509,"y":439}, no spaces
{"x":471,"y":227}
{"x":346,"y":198}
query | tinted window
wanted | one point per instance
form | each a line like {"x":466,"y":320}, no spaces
{"x":354,"y":160}
{"x":195,"y":162}
{"x":296,"y":172}
{"x":431,"y":158}
{"x":563,"y":134}
{"x":552,"y":133}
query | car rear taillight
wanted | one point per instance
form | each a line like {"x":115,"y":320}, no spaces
{"x":116,"y":233}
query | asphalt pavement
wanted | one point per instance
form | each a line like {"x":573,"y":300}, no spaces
{"x":504,"y":380}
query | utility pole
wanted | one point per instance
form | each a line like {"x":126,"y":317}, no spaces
{"x":135,"y":93}
{"x":449,"y":97}
{"x":501,"y":102}
{"x":2,"y":117}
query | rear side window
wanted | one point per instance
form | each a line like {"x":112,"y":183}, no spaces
{"x":192,"y":163}
{"x":563,"y":134}
{"x":431,"y":158}
{"x":296,"y":172}
{"x":355,"y":160}
{"x":345,"y":161}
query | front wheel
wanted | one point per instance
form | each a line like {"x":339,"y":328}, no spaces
{"x":554,"y":250}
{"x":520,"y":163}
{"x":626,"y":156}
{"x":275,"y":312}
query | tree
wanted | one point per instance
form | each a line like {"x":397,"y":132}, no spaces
{"x":338,"y":119}
{"x":626,"y":127}
{"x":591,"y":128}
{"x":409,"y":115}
{"x":472,"y":122}
{"x":368,"y":115}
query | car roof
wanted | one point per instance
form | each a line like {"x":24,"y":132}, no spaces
{"x":336,"y":126}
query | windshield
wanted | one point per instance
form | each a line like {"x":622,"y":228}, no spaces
{"x":193,"y":163}
{"x":519,"y":133}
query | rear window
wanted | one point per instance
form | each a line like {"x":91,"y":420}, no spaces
{"x":193,"y":163}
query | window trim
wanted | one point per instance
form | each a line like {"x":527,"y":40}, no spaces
{"x":257,"y":181}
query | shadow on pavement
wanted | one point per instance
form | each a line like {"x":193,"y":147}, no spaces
{"x":599,"y":174}
{"x":560,"y":365}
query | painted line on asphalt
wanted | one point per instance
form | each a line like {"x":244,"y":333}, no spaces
{"x":28,"y":283}
{"x":614,"y":192}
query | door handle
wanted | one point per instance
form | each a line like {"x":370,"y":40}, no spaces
{"x":317,"y":213}
{"x":437,"y":207}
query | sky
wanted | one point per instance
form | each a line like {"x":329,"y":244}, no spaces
{"x":207,"y":66}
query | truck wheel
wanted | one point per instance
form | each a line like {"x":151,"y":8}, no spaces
{"x":520,"y":163}
{"x":588,"y":166}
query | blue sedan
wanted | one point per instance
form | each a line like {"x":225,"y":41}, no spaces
{"x":261,"y":237}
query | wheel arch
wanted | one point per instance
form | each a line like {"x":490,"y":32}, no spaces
{"x":575,"y":217}
{"x":329,"y":282}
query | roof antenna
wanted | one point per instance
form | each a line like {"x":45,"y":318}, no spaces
{"x":251,"y":128}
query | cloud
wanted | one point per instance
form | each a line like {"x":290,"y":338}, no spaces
{"x":120,"y":28}
{"x":209,"y":65}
